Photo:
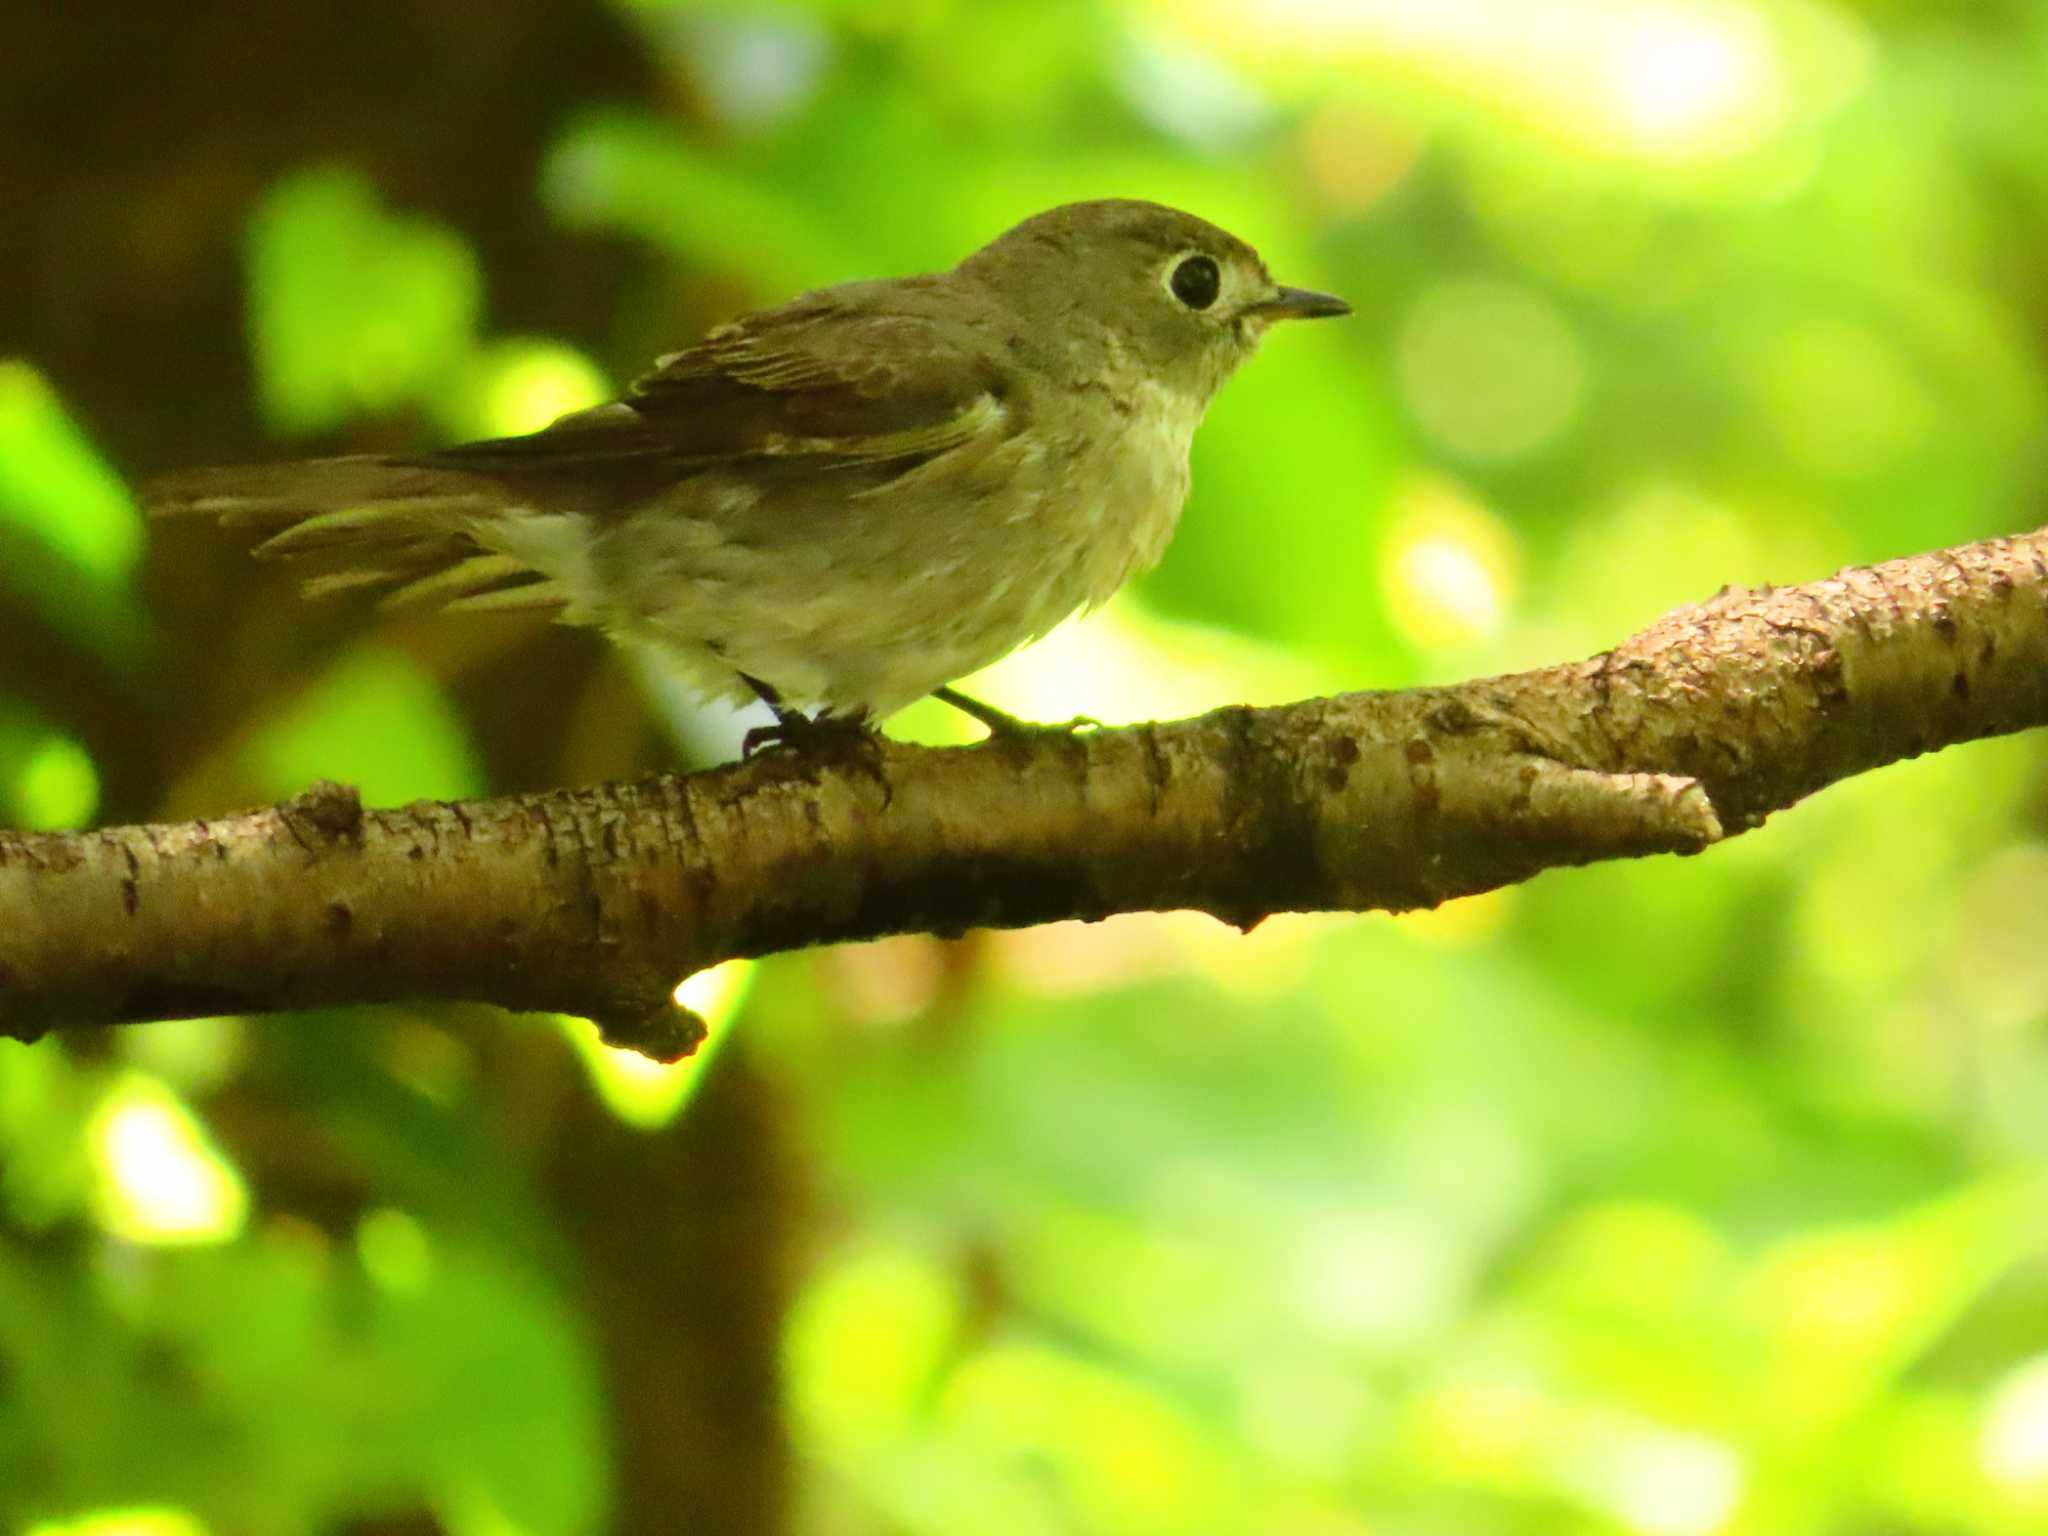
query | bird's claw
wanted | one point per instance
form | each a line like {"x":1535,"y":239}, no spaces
{"x":825,"y":735}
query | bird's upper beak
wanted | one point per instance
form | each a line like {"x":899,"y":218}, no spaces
{"x":1301,"y":304}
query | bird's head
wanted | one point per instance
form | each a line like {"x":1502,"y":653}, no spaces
{"x":1172,"y":294}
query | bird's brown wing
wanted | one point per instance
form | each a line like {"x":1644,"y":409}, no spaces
{"x":823,"y":387}
{"x":816,"y":386}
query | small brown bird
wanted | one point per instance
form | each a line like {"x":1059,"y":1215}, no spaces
{"x":845,"y":502}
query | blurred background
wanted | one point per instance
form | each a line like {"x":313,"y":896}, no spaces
{"x":1680,"y":1199}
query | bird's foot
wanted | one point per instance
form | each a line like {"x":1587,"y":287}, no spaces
{"x":1002,"y":723}
{"x":830,"y":734}
{"x":827,"y":735}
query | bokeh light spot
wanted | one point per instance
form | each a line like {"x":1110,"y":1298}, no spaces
{"x":2013,"y":1446}
{"x":752,"y":70}
{"x":1382,"y":1281}
{"x":1124,"y":664}
{"x":1190,"y":94}
{"x":160,"y":1180}
{"x":527,"y":384}
{"x":1666,"y":1484}
{"x":1693,"y":79}
{"x":1681,"y":82}
{"x":1489,"y":369}
{"x":1354,"y":158}
{"x":57,"y":788}
{"x":1448,"y":566}
{"x":395,"y":1250}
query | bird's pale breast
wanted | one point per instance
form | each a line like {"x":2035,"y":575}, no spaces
{"x":871,"y":590}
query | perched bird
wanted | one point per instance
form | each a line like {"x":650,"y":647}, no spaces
{"x":845,"y":502}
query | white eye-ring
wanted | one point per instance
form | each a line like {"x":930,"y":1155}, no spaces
{"x":1194,"y":280}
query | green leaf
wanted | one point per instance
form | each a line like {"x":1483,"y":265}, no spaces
{"x":351,"y":309}
{"x":376,"y":721}
{"x":53,"y":484}
{"x":630,"y":172}
{"x":48,"y":782}
{"x":70,"y":535}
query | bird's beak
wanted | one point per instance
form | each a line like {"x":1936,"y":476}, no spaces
{"x":1301,"y":304}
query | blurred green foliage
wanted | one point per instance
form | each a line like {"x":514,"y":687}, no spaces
{"x":1680,"y":1199}
{"x":69,"y":532}
{"x":375,"y":721}
{"x":351,"y":310}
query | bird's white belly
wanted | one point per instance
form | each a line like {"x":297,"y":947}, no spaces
{"x":1100,"y":517}
{"x":968,"y":609}
{"x":877,"y":602}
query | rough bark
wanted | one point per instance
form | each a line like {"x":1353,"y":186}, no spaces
{"x":597,"y":901}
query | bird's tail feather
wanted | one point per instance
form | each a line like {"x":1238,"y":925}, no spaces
{"x":360,"y":492}
{"x":374,"y":522}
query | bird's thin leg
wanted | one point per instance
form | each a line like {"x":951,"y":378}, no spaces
{"x":767,"y":694}
{"x":799,"y":732}
{"x":788,"y":726}
{"x":1002,"y":723}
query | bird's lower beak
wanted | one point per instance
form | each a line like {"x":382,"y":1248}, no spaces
{"x":1302,"y":304}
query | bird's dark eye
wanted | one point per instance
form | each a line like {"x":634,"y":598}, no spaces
{"x":1195,"y":282}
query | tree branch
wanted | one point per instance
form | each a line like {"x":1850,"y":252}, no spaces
{"x":597,"y":901}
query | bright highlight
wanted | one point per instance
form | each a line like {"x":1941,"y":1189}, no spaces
{"x":123,"y":1522}
{"x":2013,"y":1445}
{"x":1682,"y":80}
{"x":649,"y":1094}
{"x":1448,"y":567}
{"x":528,"y":384}
{"x":160,"y":1180}
{"x":1124,"y":664}
{"x":1665,"y":1484}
